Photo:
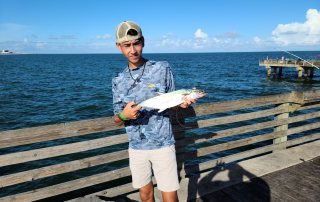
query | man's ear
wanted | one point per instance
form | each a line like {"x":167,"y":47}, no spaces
{"x":118,"y":46}
{"x":142,"y":38}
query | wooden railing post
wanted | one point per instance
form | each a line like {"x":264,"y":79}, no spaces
{"x":284,"y":115}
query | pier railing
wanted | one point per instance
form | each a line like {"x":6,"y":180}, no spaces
{"x":89,"y":157}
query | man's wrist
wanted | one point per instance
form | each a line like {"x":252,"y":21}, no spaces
{"x":123,"y":118}
{"x":117,"y":119}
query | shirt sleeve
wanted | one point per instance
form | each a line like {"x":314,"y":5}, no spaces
{"x":170,"y":86}
{"x":117,"y":102}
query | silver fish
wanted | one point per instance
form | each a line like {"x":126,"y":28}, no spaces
{"x":168,"y":100}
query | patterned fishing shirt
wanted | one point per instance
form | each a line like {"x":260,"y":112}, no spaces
{"x":151,"y":130}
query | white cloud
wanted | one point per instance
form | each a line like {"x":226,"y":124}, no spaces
{"x":257,"y":40}
{"x":200,"y":42}
{"x":199,"y":34}
{"x":63,"y":37}
{"x":306,"y":33}
{"x":105,"y":36}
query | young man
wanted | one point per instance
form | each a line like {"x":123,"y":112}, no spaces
{"x":151,"y":141}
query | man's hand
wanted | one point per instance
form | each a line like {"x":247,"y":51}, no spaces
{"x":130,"y":112}
{"x":187,"y":102}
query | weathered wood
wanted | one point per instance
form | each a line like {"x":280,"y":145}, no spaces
{"x":48,"y":171}
{"x":245,"y":129}
{"x":246,"y":141}
{"x":282,"y":127}
{"x":68,"y":186}
{"x":312,"y":96}
{"x":218,"y":107}
{"x":45,"y":133}
{"x":57,"y":131}
{"x":230,"y":145}
{"x":242,"y":155}
{"x":38,"y":154}
{"x":303,"y":128}
{"x":289,"y":184}
{"x":228,"y":119}
{"x":296,"y":101}
{"x":240,"y":117}
{"x":308,"y":107}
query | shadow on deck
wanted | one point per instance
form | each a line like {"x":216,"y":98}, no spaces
{"x":297,"y":183}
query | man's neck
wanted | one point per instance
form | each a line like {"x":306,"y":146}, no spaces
{"x":136,"y":65}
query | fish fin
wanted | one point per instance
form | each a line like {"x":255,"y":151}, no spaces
{"x":161,"y":110}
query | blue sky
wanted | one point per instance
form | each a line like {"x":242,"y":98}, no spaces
{"x":78,"y":26}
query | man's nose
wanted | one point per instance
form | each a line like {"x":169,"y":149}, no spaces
{"x":132,"y":49}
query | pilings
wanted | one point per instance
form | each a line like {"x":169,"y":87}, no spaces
{"x":276,"y":71}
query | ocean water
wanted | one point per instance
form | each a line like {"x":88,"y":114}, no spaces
{"x":46,"y":89}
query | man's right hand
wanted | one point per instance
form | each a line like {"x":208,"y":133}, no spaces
{"x":130,"y":111}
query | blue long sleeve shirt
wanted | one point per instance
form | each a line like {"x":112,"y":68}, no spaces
{"x":151,"y":130}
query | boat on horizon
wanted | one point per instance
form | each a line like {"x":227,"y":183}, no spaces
{"x":6,"y":52}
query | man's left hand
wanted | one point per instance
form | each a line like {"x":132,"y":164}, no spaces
{"x":187,"y":102}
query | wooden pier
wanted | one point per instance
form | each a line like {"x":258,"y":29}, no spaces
{"x":84,"y":159}
{"x":304,"y":68}
{"x":298,"y":183}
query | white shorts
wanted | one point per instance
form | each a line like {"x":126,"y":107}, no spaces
{"x":163,"y":163}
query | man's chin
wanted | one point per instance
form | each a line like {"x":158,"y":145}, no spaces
{"x":135,"y":60}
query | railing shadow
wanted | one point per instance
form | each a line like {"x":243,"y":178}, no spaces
{"x":210,"y":187}
{"x":180,"y":129}
{"x":227,"y":183}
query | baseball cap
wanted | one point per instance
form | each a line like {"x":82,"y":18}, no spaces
{"x":122,"y":31}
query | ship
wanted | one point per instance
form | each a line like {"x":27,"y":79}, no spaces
{"x":6,"y":52}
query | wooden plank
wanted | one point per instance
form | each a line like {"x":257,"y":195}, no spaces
{"x":312,"y":96}
{"x":235,"y":194}
{"x":232,"y":118}
{"x":217,"y":196}
{"x":229,"y":145}
{"x":77,"y":128}
{"x":282,"y":127}
{"x":48,"y":152}
{"x":305,"y":107}
{"x":303,"y":128}
{"x":245,"y":129}
{"x":126,"y":188}
{"x":310,"y":191}
{"x":69,"y":186}
{"x":52,"y":170}
{"x":38,"y":154}
{"x":242,"y":155}
{"x":218,"y":107}
{"x":57,"y":131}
{"x":70,"y":166}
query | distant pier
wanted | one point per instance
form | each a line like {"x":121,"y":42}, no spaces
{"x":304,"y":67}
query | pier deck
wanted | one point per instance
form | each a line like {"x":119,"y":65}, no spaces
{"x":298,"y":183}
{"x":288,"y":175}
{"x":304,"y":68}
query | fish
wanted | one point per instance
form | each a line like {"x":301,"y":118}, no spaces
{"x":167,"y":100}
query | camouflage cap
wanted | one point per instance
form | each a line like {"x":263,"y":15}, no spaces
{"x":122,"y":31}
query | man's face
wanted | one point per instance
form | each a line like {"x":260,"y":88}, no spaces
{"x":132,"y":50}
